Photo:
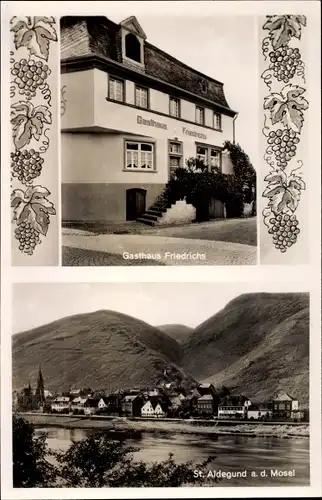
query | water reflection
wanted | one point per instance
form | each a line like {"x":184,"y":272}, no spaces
{"x":233,"y":453}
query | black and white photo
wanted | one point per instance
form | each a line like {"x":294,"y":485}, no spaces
{"x":157,"y":157}
{"x":139,"y":384}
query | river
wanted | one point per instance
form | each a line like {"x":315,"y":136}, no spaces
{"x":234,"y":453}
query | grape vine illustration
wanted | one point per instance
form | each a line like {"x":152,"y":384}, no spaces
{"x":29,"y":76}
{"x":30,"y":71}
{"x":31,"y":214}
{"x":283,"y":121}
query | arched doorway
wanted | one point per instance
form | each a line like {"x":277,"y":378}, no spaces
{"x":135,"y":203}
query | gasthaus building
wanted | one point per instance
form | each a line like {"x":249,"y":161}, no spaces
{"x":132,"y":114}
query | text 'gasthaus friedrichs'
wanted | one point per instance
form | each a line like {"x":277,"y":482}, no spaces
{"x":166,"y":256}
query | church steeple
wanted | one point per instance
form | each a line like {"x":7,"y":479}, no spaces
{"x":40,"y":391}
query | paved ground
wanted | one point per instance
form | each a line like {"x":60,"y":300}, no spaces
{"x":132,"y":249}
{"x":242,"y":231}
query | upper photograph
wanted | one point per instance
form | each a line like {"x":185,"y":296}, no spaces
{"x":158,"y":119}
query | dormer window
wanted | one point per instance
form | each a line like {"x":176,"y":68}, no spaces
{"x":133,"y":38}
{"x":132,"y":47}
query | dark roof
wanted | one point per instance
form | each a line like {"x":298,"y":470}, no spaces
{"x":98,"y":35}
{"x":155,"y":400}
{"x":92,"y":402}
{"x":233,"y":400}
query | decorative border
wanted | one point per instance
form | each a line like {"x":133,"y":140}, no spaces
{"x":32,"y":38}
{"x":283,"y":122}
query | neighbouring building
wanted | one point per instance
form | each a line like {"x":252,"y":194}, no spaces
{"x":132,"y":114}
{"x":154,"y":407}
{"x":61,"y":404}
{"x":284,"y":405}
{"x":91,"y":406}
{"x":259,"y":411}
{"x":204,"y":389}
{"x":131,"y":405}
{"x":205,"y":404}
{"x":234,"y":406}
{"x":78,"y":404}
{"x":177,"y":400}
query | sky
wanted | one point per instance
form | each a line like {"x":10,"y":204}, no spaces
{"x":36,"y":304}
{"x":223,"y":48}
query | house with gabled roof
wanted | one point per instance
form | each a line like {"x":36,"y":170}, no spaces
{"x":234,"y":406}
{"x":284,"y":404}
{"x":132,"y":404}
{"x":154,"y":408}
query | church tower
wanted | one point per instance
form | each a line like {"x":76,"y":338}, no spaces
{"x":40,"y":391}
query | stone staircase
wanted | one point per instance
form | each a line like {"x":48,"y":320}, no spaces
{"x":155,"y":212}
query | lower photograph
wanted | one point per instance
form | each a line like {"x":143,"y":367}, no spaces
{"x":159,"y":385}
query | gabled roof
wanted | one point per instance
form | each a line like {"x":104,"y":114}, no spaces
{"x":61,"y":399}
{"x":206,"y":397}
{"x":131,"y":24}
{"x":129,"y":399}
{"x":237,"y":400}
{"x":283,"y":396}
{"x":92,"y":402}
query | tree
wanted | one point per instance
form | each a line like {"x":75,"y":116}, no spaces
{"x":244,"y":172}
{"x":30,"y":467}
{"x":97,"y":462}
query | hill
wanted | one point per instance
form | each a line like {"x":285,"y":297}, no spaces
{"x":257,"y":345}
{"x":177,"y":332}
{"x":103,"y":349}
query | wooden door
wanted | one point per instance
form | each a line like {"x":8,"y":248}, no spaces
{"x":135,"y":203}
{"x":216,"y":209}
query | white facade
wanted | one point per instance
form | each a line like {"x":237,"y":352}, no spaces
{"x":148,"y":410}
{"x":61,"y":404}
{"x":110,"y":147}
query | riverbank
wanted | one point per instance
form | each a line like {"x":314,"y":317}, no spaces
{"x":283,"y":430}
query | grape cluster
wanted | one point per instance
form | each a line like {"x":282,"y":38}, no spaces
{"x":283,"y":145}
{"x":284,"y":62}
{"x":284,"y":230}
{"x":28,"y":237}
{"x":29,"y":75}
{"x":26,"y":165}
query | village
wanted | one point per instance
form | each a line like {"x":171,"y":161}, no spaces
{"x":166,"y":400}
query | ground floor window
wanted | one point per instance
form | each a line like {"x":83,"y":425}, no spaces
{"x":211,"y":156}
{"x":139,"y":156}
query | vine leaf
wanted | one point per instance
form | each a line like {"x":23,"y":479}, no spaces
{"x":28,"y":122}
{"x":32,"y":206}
{"x":287,"y":107}
{"x":284,"y":192}
{"x":283,"y":28}
{"x":35,"y":34}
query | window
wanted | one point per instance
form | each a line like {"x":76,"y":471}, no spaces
{"x":175,"y":156}
{"x":174,"y":107}
{"x":141,"y":97}
{"x":132,"y":47}
{"x":200,"y":115}
{"x":209,"y":156}
{"x":214,"y":159}
{"x":116,"y":89}
{"x":202,"y":154}
{"x":139,"y":156}
{"x":217,"y":121}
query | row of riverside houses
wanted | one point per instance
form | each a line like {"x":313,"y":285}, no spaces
{"x":166,"y":400}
